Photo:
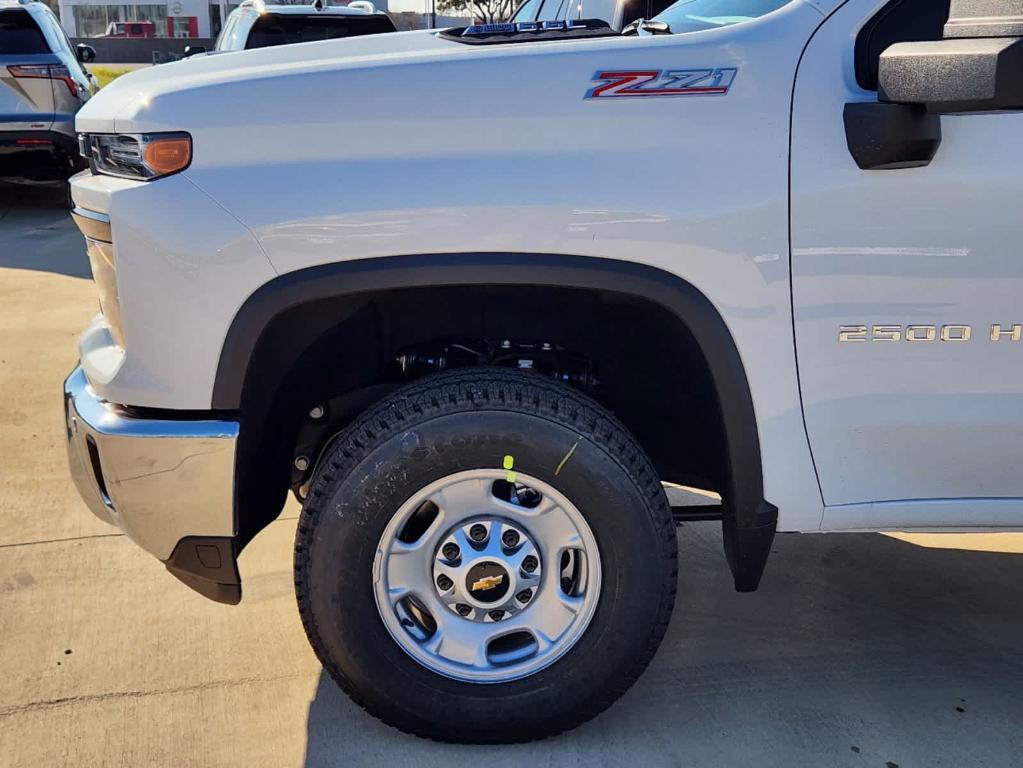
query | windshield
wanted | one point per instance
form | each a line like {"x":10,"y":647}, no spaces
{"x":527,"y":11}
{"x":281,"y":30}
{"x":550,"y":10}
{"x":696,"y":15}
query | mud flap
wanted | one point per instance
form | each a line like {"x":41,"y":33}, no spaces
{"x":747,"y":540}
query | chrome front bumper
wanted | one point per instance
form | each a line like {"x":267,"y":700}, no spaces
{"x":167,"y":483}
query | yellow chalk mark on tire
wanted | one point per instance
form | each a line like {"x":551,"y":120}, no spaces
{"x":509,"y":464}
{"x":564,"y":461}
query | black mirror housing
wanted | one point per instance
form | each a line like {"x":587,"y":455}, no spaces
{"x":891,"y":136}
{"x":955,"y":75}
{"x":85,"y":53}
{"x":194,"y":50}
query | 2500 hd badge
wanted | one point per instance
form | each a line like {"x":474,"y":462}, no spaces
{"x":953,"y":332}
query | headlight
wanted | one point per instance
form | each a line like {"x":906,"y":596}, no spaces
{"x":137,"y":155}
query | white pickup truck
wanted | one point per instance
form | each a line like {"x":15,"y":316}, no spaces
{"x":473,"y":295}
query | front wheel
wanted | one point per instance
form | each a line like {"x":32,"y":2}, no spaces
{"x":485,"y":556}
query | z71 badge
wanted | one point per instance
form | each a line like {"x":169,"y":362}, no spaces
{"x":656,"y":82}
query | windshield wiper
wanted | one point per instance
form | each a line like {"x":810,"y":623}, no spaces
{"x":644,"y":27}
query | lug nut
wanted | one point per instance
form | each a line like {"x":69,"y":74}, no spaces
{"x":444,"y":582}
{"x":524,"y":596}
{"x":317,"y":413}
{"x":301,"y":463}
{"x":497,"y":615}
{"x":463,"y":609}
{"x":451,"y":551}
{"x":510,"y":538}
{"x":478,"y":533}
{"x":529,"y":564}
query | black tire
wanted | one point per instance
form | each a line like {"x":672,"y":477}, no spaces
{"x":470,"y":419}
{"x":64,"y":196}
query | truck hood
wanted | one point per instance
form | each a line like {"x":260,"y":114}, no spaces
{"x":129,"y":104}
{"x":391,"y":76}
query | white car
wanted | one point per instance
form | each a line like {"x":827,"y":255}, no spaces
{"x":255,"y":24}
{"x":473,"y":295}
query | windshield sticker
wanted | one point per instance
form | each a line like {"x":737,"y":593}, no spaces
{"x":656,"y":82}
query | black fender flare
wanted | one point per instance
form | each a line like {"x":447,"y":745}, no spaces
{"x":749,"y":521}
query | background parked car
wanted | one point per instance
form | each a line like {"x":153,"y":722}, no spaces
{"x":42,"y":86}
{"x":256,"y":25}
{"x":617,"y":13}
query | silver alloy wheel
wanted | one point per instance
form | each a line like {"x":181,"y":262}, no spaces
{"x":516,"y":595}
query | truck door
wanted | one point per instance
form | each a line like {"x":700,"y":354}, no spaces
{"x":908,"y":276}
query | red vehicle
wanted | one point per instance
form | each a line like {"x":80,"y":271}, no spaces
{"x":131,"y":29}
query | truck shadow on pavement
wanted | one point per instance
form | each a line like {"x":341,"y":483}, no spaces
{"x":858,"y":650}
{"x":36,"y":232}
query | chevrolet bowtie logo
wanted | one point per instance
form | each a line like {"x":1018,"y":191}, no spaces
{"x":487,"y":582}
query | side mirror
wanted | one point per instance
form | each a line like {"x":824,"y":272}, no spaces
{"x":194,"y":50}
{"x":955,"y":75}
{"x":85,"y":53}
{"x":919,"y":82}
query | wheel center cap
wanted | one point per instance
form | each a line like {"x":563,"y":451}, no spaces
{"x":487,"y":582}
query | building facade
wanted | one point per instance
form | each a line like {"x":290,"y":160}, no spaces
{"x":155,"y":18}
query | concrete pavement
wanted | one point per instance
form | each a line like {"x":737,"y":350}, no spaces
{"x":859,"y":650}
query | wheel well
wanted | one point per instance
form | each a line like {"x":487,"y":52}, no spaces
{"x":644,"y":344}
{"x":651,"y":374}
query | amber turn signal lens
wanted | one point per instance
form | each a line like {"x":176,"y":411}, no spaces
{"x":170,"y":155}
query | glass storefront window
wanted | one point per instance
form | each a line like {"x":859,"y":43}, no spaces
{"x":94,"y":20}
{"x":181,"y":26}
{"x":215,"y":23}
